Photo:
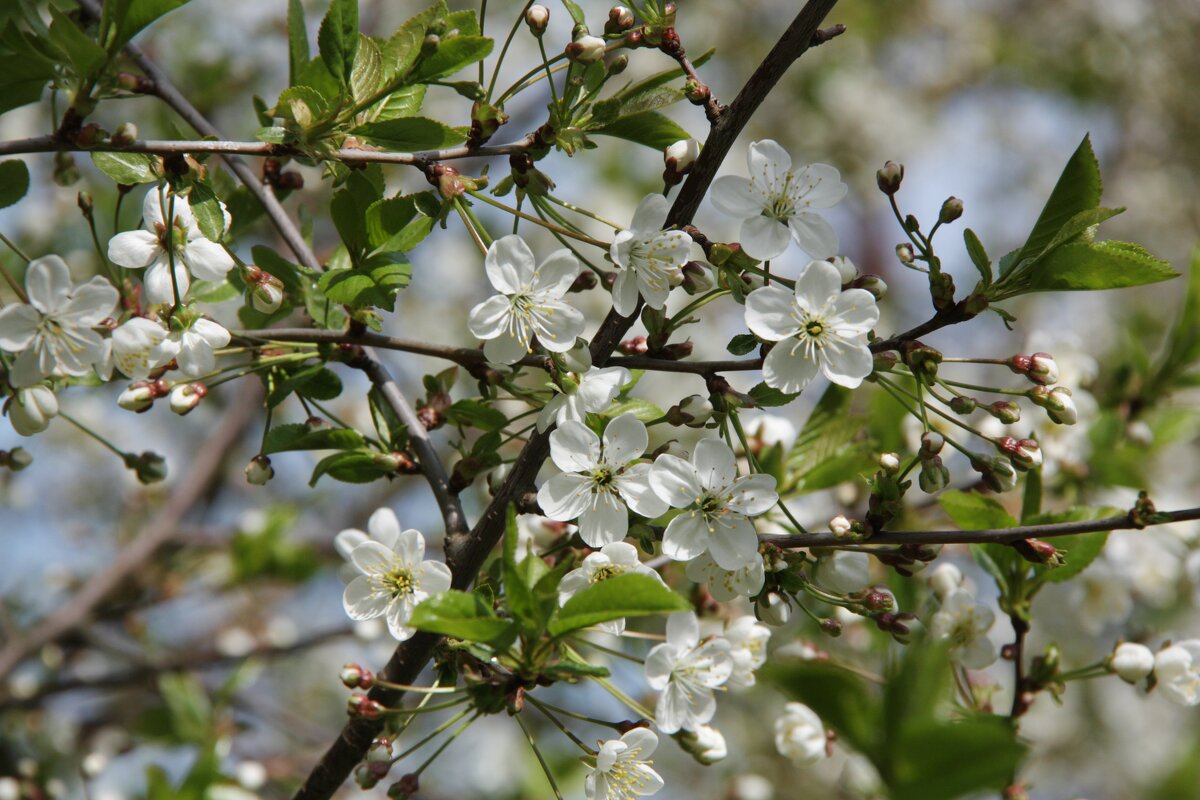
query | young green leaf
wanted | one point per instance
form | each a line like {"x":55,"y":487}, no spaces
{"x":970,"y":510}
{"x":628,"y":595}
{"x":352,"y":466}
{"x":128,"y":168}
{"x":1078,"y":189}
{"x":451,"y":55}
{"x":373,"y":284}
{"x":1104,"y":265}
{"x":14,"y":182}
{"x":978,"y":256}
{"x":298,"y":52}
{"x":206,"y":208}
{"x":337,"y":38}
{"x":652,"y":129}
{"x":408,"y":134}
{"x":138,"y":15}
{"x":299,"y":436}
{"x":461,"y":615}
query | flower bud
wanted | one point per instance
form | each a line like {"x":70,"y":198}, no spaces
{"x":618,"y":65}
{"x":933,"y":476}
{"x":587,"y":49}
{"x":359,"y":705}
{"x":86,"y":204}
{"x":889,"y":177}
{"x":637,"y":346}
{"x":138,"y":396}
{"x":841,"y":526}
{"x":1039,"y":368}
{"x":1025,"y":454}
{"x":773,"y":608}
{"x":885,"y":361}
{"x":680,"y":156}
{"x":847,"y":272}
{"x":266,"y":293}
{"x":365,"y":777}
{"x":259,"y":470}
{"x":876,"y":599}
{"x":944,"y":580}
{"x":831,"y":627}
{"x":697,"y":279}
{"x":126,"y":134}
{"x":773,"y":558}
{"x":952,"y":209}
{"x":1037,"y":551}
{"x":961,"y":404}
{"x":706,"y":744}
{"x":186,"y":396}
{"x":1006,"y":411}
{"x":693,"y":411}
{"x":380,"y":751}
{"x":620,"y":19}
{"x":932,"y":443}
{"x":405,"y":788}
{"x":871,"y":283}
{"x":537,"y":17}
{"x":16,"y":459}
{"x":998,"y":473}
{"x":905,"y":253}
{"x":890,"y":463}
{"x":31,"y":410}
{"x":149,"y":466}
{"x":1059,"y":405}
{"x":676,"y":350}
{"x":1131,"y":661}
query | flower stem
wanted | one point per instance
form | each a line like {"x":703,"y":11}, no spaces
{"x":92,"y":434}
{"x":538,"y":753}
{"x":432,"y":735}
{"x":583,"y":211}
{"x":542,"y":707}
{"x":458,"y":731}
{"x":609,"y":650}
{"x":539,"y":221}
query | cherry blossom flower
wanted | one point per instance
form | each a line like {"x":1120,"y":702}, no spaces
{"x":53,"y":335}
{"x":623,"y":769}
{"x":816,"y":327}
{"x":843,"y":571}
{"x":800,"y":735}
{"x":194,"y":255}
{"x":1177,"y":671}
{"x":649,"y":260}
{"x":718,"y":505}
{"x":529,"y":302}
{"x":593,"y":393}
{"x":615,"y":558}
{"x":600,"y":478}
{"x":685,"y":672}
{"x":140,"y":346}
{"x":965,"y":623}
{"x":748,"y":648}
{"x":774,"y":202}
{"x":724,"y":584}
{"x":393,"y":578}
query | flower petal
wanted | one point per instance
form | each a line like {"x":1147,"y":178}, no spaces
{"x":409,"y":545}
{"x":770,"y":313}
{"x":753,"y":495}
{"x":625,"y":292}
{"x":18,"y":326}
{"x":564,"y":497}
{"x":675,"y":481}
{"x":574,"y":447}
{"x":211,"y":332}
{"x":604,"y":521}
{"x":650,"y":214}
{"x":556,"y":274}
{"x":557,"y":325}
{"x":90,"y":303}
{"x":763,"y":237}
{"x":686,"y":537}
{"x":855,"y":312}
{"x":489,"y":319}
{"x":846,"y":362}
{"x":814,"y":235}
{"x":48,"y":284}
{"x":683,"y":629}
{"x":134,"y":249}
{"x":505,"y":349}
{"x":787,"y":367}
{"x":734,"y":196}
{"x":824,"y":187}
{"x":635,"y":489}
{"x":625,"y":439}
{"x":819,"y":284}
{"x":371,"y":556}
{"x":157,"y":282}
{"x":768,"y":161}
{"x":361,"y":602}
{"x":733,"y":543}
{"x":715,"y":464}
{"x":434,"y":577}
{"x":207,"y":260}
{"x":509,"y":264}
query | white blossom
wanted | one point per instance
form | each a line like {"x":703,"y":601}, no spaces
{"x":843,"y":571}
{"x":1177,"y":672}
{"x":685,"y":672}
{"x":53,"y":334}
{"x":717,"y":505}
{"x":773,"y":203}
{"x":623,"y":769}
{"x":142,"y":345}
{"x":800,"y":735}
{"x":529,"y":302}
{"x":748,"y":648}
{"x":593,"y":393}
{"x":393,"y":577}
{"x":601,"y":479}
{"x":1099,"y":596}
{"x":815,"y":327}
{"x":1132,"y":661}
{"x":31,"y":410}
{"x":194,"y":254}
{"x":649,"y":260}
{"x":194,"y":346}
{"x":615,"y":558}
{"x":964,"y":623}
{"x":706,"y":744}
{"x":725,"y":584}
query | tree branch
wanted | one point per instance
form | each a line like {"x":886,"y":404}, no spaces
{"x":986,"y":535}
{"x":156,"y":532}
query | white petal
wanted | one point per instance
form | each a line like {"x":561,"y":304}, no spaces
{"x":18,"y":326}
{"x":556,"y":274}
{"x":814,"y":235}
{"x":134,"y":249}
{"x":856,"y":312}
{"x":505,"y":349}
{"x":672,"y":710}
{"x":732,"y":195}
{"x":48,"y":284}
{"x":768,"y":160}
{"x":846,"y":363}
{"x":361,"y":602}
{"x":819,"y":283}
{"x":734,"y":543}
{"x":604,"y":521}
{"x":600,"y":386}
{"x":489,"y":319}
{"x":621,"y":246}
{"x":825,"y":187}
{"x":90,"y":303}
{"x":635,"y":489}
{"x":675,"y":481}
{"x":764,"y":238}
{"x":683,"y":629}
{"x":509,"y":264}
{"x":651,"y":214}
{"x":195,"y":356}
{"x":207,"y":260}
{"x":625,"y":439}
{"x":564,"y":497}
{"x":27,"y":369}
{"x":660,"y":662}
{"x":434,"y":577}
{"x":769,"y":313}
{"x":641,"y":743}
{"x":557,"y":325}
{"x":399,"y":612}
{"x":409,"y":546}
{"x":625,"y":292}
{"x":715,"y":464}
{"x":384,"y":528}
{"x":753,"y":495}
{"x":574,"y":447}
{"x":157,"y":282}
{"x":371,"y":556}
{"x":686,"y":537}
{"x":786,"y":367}
{"x":345,"y":542}
{"x":212,"y":333}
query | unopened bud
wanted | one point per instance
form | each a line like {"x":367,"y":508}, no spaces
{"x":1132,"y":661}
{"x":1039,"y":368}
{"x":680,"y":156}
{"x":934,"y":475}
{"x":905,"y":253}
{"x":697,"y":279}
{"x":259,"y":470}
{"x":138,"y":396}
{"x":677,"y":350}
{"x":961,"y":404}
{"x":620,"y":19}
{"x":890,"y":463}
{"x":1006,"y":411}
{"x":952,"y":209}
{"x":584,"y":281}
{"x":149,"y":466}
{"x":998,"y":473}
{"x":885,"y":361}
{"x":879,"y":600}
{"x":1038,"y":552}
{"x":636,"y":346}
{"x":359,"y":705}
{"x":365,"y":777}
{"x":266,"y":291}
{"x":85,"y":203}
{"x":1060,"y":406}
{"x":841,"y":526}
{"x":932,"y":443}
{"x":16,"y":459}
{"x":126,"y":134}
{"x":705,"y":744}
{"x":871,"y":283}
{"x":889,"y":177}
{"x":773,"y":608}
{"x":585,"y":50}
{"x":1025,"y":454}
{"x":31,"y":410}
{"x":693,"y":411}
{"x":537,"y":17}
{"x":380,"y":751}
{"x":186,"y":396}
{"x":831,"y":627}
{"x":405,"y":788}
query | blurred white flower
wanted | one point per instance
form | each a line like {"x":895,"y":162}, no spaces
{"x":649,"y":260}
{"x":1132,"y":661}
{"x":623,"y":769}
{"x":706,"y":744}
{"x":724,"y":584}
{"x":1099,"y":596}
{"x":685,"y":672}
{"x":615,"y":558}
{"x":843,"y":571}
{"x":964,"y":623}
{"x":800,"y":735}
{"x":748,"y":648}
{"x":1177,"y":672}
{"x":773,"y":203}
{"x":816,"y":327}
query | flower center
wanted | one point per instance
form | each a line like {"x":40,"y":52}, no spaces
{"x":606,"y":572}
{"x":626,"y":781}
{"x":394,"y":579}
{"x":710,"y":504}
{"x":814,"y":328}
{"x":603,"y":477}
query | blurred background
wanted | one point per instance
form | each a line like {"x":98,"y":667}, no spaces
{"x":984,"y":100}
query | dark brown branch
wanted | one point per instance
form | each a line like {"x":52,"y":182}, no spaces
{"x":153,"y":535}
{"x":987,"y":535}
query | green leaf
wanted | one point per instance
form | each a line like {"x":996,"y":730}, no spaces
{"x":187,"y":704}
{"x":304,"y":105}
{"x":531,"y":608}
{"x":971,"y":510}
{"x":767,"y":397}
{"x":742,"y":343}
{"x":367,"y":76}
{"x":299,"y":436}
{"x":85,"y":55}
{"x":373,"y":284}
{"x":1078,"y":551}
{"x":405,"y":45}
{"x":1104,"y":265}
{"x":575,"y":11}
{"x":946,"y":760}
{"x":645,"y":95}
{"x":642,"y":409}
{"x":450,"y":56}
{"x":316,"y":381}
{"x":475,"y":414}
{"x":337,"y":38}
{"x":839,"y":698}
{"x":404,"y":102}
{"x":128,"y":168}
{"x":651,"y":129}
{"x":298,"y":52}
{"x":409,"y":134}
{"x":349,"y":211}
{"x":1078,"y":189}
{"x":22,"y":79}
{"x":139,"y":14}
{"x":978,"y":256}
{"x":628,"y":595}
{"x":210,"y":218}
{"x":14,"y":182}
{"x":461,"y":615}
{"x":351,"y":466}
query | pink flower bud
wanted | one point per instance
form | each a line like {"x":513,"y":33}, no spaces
{"x":587,"y":49}
{"x":889,"y":177}
{"x":537,"y":17}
